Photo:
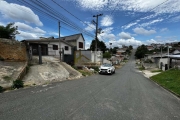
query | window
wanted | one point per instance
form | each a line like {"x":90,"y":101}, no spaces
{"x":66,"y":48}
{"x":80,"y":44}
{"x":55,"y":47}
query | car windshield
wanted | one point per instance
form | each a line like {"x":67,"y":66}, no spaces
{"x":106,"y":65}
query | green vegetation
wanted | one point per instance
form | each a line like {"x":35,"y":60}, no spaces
{"x":7,"y":78}
{"x":141,"y":51}
{"x":142,"y":68}
{"x":85,"y":72}
{"x":8,"y":31}
{"x":107,"y":55}
{"x":18,"y":84}
{"x":1,"y":89}
{"x":169,"y":79}
{"x":28,"y":67}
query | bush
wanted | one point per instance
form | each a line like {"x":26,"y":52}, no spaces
{"x":148,"y":61}
{"x":1,"y":89}
{"x":18,"y":84}
{"x":96,"y":68}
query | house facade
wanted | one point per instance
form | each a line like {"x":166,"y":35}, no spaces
{"x":64,"y":47}
{"x":76,"y":40}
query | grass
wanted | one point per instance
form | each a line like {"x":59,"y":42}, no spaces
{"x":7,"y":78}
{"x":85,"y":72}
{"x":169,"y":79}
{"x":141,"y":68}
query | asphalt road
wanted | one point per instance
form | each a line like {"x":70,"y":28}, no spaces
{"x":126,"y":95}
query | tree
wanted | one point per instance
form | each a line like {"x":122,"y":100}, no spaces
{"x":107,"y":55}
{"x":141,"y":51}
{"x":100,"y":46}
{"x":114,"y":50}
{"x":130,"y":47}
{"x":8,"y":32}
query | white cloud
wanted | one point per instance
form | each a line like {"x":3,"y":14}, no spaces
{"x":132,"y":5}
{"x":90,"y":27}
{"x":151,"y":22}
{"x":107,"y":20}
{"x":129,"y":25}
{"x":3,"y":24}
{"x":142,"y":31}
{"x":92,"y":4}
{"x":124,"y":35}
{"x":127,"y":42}
{"x":28,"y":32}
{"x":18,"y":12}
{"x":87,"y":45}
{"x":164,"y":30}
{"x":27,"y":35}
{"x":25,"y":27}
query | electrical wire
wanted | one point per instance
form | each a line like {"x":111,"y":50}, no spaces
{"x":54,"y":17}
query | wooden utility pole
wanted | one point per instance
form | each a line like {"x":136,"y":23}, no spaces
{"x":59,"y":40}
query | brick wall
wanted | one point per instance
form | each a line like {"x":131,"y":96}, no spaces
{"x":12,"y":50}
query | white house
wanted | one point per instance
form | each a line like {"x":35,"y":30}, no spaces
{"x":76,"y":40}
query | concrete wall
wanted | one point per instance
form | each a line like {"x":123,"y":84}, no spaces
{"x":56,"y":52}
{"x":12,"y":50}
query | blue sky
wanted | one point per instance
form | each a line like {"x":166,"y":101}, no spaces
{"x":124,"y":22}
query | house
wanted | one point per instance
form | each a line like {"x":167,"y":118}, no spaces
{"x":121,"y":51}
{"x":150,"y":48}
{"x":176,"y":51}
{"x":54,"y":46}
{"x":76,"y":40}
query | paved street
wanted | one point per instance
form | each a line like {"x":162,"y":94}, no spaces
{"x":126,"y":95}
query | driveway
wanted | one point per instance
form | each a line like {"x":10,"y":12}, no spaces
{"x":126,"y":95}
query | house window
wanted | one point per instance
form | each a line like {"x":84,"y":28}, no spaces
{"x":80,"y":44}
{"x":66,"y":47}
{"x":55,"y":47}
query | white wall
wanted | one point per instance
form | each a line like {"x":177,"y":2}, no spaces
{"x":56,"y":52}
{"x":99,"y":56}
{"x":164,"y":61}
{"x":80,"y":39}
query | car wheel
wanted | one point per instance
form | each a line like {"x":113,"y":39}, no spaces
{"x":114,"y":72}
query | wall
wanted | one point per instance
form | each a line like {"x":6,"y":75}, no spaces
{"x":12,"y":50}
{"x":56,"y":52}
{"x":80,"y":39}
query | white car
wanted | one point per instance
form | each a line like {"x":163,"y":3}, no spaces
{"x":106,"y":68}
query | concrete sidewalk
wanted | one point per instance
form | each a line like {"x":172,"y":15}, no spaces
{"x":148,"y":73}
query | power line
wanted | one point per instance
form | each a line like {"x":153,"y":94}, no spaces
{"x":71,"y":14}
{"x":52,"y":11}
{"x":55,"y":16}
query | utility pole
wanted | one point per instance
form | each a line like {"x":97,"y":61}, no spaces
{"x":168,"y":57}
{"x":59,"y":41}
{"x":96,"y":35}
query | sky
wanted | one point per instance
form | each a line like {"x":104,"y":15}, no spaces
{"x":124,"y":22}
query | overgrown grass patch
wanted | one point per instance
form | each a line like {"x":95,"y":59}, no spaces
{"x":169,"y":79}
{"x":141,"y":68}
{"x":85,"y":72}
{"x":18,"y":84}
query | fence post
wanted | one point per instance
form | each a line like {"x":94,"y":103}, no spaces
{"x":40,"y":56}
